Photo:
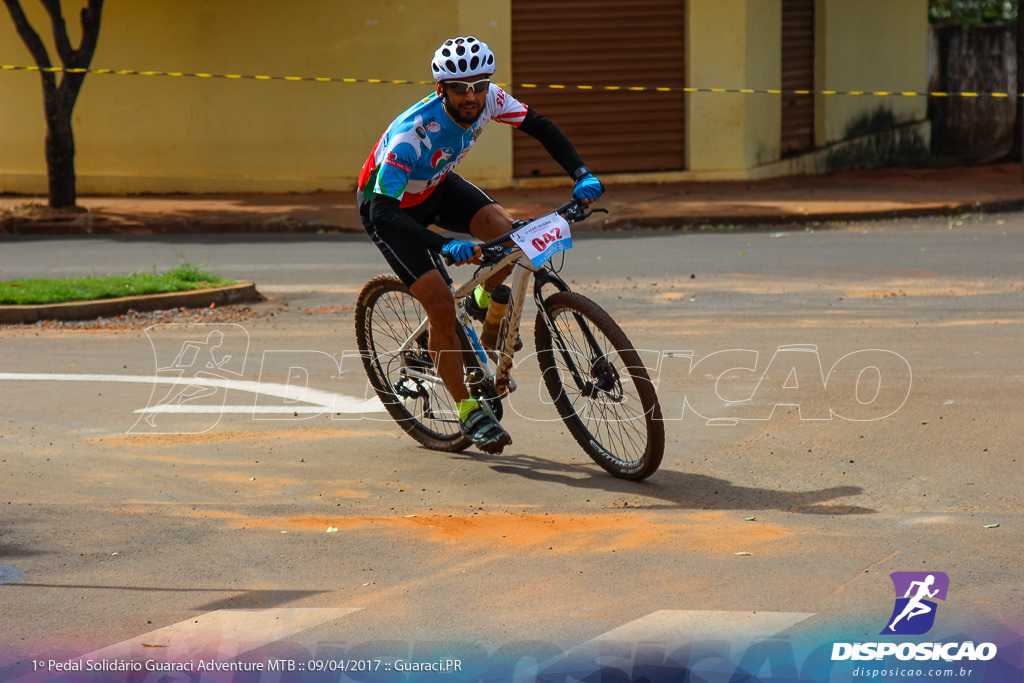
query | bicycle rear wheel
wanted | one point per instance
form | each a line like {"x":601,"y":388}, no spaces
{"x":405,"y":380}
{"x":600,"y":387}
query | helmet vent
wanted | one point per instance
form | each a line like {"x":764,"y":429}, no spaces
{"x":462,"y":57}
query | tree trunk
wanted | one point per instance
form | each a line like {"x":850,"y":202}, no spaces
{"x":60,"y":153}
{"x":1017,"y":153}
{"x":59,"y":99}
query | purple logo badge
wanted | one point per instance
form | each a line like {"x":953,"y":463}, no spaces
{"x":916,"y":592}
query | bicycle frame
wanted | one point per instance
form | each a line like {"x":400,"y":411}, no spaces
{"x":494,"y":367}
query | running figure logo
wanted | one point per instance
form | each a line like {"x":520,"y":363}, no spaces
{"x":195,"y":366}
{"x":914,"y":612}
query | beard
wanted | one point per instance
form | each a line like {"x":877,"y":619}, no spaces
{"x":463,"y":115}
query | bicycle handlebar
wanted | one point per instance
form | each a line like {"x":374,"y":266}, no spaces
{"x":572,"y":211}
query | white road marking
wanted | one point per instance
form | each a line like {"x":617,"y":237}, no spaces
{"x":222,"y":635}
{"x":247,"y":410}
{"x":321,"y":401}
{"x":684,"y":626}
{"x":673,"y":628}
{"x":216,"y":638}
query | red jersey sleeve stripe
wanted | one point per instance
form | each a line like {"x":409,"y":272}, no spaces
{"x":514,"y":118}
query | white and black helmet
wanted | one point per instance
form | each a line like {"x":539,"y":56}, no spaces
{"x":461,"y":57}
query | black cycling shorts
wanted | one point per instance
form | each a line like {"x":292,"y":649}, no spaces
{"x":451,"y":207}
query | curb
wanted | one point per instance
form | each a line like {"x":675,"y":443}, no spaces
{"x":690,"y":222}
{"x":242,"y":292}
{"x":68,"y":229}
{"x":624,"y":221}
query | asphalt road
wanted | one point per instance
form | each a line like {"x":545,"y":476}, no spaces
{"x":842,"y":404}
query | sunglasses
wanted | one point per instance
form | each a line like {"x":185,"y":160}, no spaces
{"x":462,"y":87}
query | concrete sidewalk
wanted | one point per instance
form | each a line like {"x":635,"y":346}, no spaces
{"x":876,"y":194}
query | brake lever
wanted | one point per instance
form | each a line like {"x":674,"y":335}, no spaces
{"x":577,"y":211}
{"x":582,"y":214}
{"x":492,"y":255}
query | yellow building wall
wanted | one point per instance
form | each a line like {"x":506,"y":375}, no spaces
{"x":860,"y":44}
{"x":874,"y":45}
{"x":733,"y":44}
{"x":717,"y":35}
{"x":175,"y":134}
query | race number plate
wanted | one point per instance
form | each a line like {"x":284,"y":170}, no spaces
{"x":543,"y":238}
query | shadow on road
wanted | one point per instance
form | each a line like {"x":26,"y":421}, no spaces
{"x":680,"y":491}
{"x":240,"y":598}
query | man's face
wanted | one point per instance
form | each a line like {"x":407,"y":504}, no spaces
{"x":465,"y":98}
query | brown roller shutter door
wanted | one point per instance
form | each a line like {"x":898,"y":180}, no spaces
{"x":797,"y":74}
{"x":602,"y":43}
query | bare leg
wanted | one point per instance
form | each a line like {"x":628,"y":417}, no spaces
{"x":436,"y":298}
{"x":489,"y":222}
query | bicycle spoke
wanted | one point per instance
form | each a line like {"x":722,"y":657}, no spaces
{"x":401,"y":370}
{"x":601,"y":389}
{"x":614,"y":417}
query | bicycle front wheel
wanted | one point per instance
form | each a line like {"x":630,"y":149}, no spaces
{"x":600,"y":387}
{"x":400,"y":368}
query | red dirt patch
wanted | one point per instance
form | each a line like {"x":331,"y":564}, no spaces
{"x":711,"y":532}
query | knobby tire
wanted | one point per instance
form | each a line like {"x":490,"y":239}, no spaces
{"x":386,"y":315}
{"x":610,"y":405}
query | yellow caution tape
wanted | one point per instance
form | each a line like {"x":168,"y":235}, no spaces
{"x":181,"y":74}
{"x":554,"y":86}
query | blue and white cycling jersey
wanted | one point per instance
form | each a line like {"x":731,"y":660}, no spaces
{"x":422,"y":146}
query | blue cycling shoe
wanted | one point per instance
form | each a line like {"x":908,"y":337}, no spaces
{"x":485,"y":432}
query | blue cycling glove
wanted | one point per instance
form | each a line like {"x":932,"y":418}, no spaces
{"x":588,"y":187}
{"x":458,"y":250}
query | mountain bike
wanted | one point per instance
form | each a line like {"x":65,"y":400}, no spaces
{"x":599,"y":386}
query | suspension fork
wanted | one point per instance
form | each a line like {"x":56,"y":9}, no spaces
{"x":546,"y":277}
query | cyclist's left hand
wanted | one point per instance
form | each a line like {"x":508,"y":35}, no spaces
{"x":462,"y":251}
{"x":588,"y":188}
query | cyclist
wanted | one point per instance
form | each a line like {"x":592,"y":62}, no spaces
{"x":408,"y":184}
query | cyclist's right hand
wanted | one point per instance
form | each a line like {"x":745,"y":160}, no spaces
{"x":588,"y":188}
{"x":459,"y":251}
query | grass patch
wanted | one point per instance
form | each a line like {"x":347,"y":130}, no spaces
{"x":34,"y":291}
